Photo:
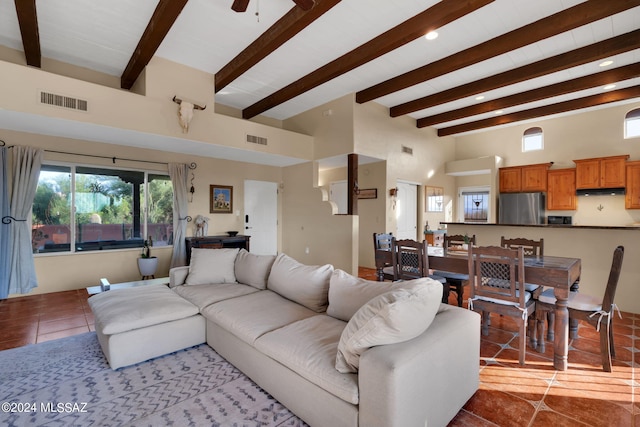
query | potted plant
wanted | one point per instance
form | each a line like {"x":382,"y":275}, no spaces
{"x":465,"y":245}
{"x":147,"y":264}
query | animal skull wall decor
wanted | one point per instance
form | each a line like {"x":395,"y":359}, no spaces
{"x":185,"y":112}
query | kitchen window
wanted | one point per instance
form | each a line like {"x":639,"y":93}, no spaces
{"x":632,"y":124}
{"x":98,"y":208}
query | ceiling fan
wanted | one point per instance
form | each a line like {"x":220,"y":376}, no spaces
{"x":241,"y":5}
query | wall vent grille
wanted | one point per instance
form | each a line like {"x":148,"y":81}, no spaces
{"x":407,"y":150}
{"x":56,"y":100}
{"x":256,"y":139}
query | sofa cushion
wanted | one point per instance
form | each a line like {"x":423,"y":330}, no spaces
{"x":204,"y":295}
{"x":252,"y":269}
{"x":395,"y":316}
{"x":210,"y":266}
{"x":122,"y":310}
{"x":250,"y":316}
{"x":308,"y":347}
{"x":348,"y":293}
{"x":305,"y":284}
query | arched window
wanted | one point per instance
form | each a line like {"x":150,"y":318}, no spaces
{"x":632,"y":124}
{"x":532,"y":139}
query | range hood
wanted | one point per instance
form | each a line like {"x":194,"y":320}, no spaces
{"x":601,"y":192}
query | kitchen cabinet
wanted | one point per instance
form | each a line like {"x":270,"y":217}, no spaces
{"x":524,"y":179}
{"x":601,"y":172}
{"x":561,"y":189}
{"x":632,"y":194}
{"x":434,"y":237}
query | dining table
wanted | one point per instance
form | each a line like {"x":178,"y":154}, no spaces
{"x":560,"y":273}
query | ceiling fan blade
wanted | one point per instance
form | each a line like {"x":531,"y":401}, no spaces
{"x":240,"y":5}
{"x":304,"y":4}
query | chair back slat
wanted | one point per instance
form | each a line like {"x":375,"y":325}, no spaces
{"x":410,"y":259}
{"x":382,"y":241}
{"x":457,"y":240}
{"x":532,"y":248}
{"x":497,"y":272}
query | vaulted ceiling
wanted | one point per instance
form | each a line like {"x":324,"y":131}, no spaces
{"x":494,"y":62}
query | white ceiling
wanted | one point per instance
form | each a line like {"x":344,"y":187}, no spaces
{"x":102,"y":35}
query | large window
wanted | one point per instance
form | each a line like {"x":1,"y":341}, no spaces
{"x":99,"y":208}
{"x":475,"y":205}
{"x":632,"y":124}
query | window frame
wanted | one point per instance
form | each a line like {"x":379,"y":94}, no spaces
{"x":144,"y":206}
{"x":631,"y":116}
{"x":529,"y":132}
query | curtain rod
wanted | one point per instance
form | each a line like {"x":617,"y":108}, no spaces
{"x":192,"y":165}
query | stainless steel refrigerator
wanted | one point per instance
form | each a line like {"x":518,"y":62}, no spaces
{"x":521,"y":208}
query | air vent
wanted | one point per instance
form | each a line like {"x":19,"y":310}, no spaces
{"x":407,"y":150}
{"x":56,"y":100}
{"x":256,"y":140}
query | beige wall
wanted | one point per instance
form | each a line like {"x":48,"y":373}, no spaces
{"x":311,"y":233}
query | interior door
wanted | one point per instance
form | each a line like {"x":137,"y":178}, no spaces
{"x":261,"y":216}
{"x":407,"y":211}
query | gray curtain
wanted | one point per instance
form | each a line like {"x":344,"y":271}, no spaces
{"x":26,"y":170}
{"x":179,"y":174}
{"x":5,"y":227}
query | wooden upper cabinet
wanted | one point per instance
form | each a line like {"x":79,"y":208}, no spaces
{"x":522,"y":179}
{"x":561,"y":194}
{"x":510,"y":179}
{"x":601,"y":172}
{"x":632,"y":194}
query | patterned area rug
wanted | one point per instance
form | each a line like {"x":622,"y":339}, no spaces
{"x":68,"y":382}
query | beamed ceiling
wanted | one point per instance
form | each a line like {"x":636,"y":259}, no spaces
{"x":494,"y":62}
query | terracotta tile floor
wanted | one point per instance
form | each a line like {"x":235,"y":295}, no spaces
{"x":509,"y":395}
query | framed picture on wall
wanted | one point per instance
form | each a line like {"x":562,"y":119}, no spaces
{"x":434,"y":199}
{"x":220,"y":199}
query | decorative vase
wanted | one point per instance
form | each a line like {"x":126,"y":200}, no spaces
{"x":147,"y":267}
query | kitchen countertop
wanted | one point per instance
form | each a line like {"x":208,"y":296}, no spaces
{"x":583,"y":227}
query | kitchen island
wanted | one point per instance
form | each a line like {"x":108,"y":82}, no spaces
{"x":594,"y":245}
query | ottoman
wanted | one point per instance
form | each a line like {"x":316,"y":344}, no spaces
{"x":138,"y":324}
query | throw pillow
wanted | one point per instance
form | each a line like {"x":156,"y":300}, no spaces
{"x":348,"y":293}
{"x":393,"y":317}
{"x":210,"y":266}
{"x":252,"y":269}
{"x":307,"y":285}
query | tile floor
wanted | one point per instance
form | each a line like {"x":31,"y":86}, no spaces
{"x":509,"y":395}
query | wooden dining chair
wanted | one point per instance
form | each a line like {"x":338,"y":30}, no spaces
{"x":382,"y":241}
{"x":496,"y":275}
{"x":597,"y":312}
{"x":411,"y":261}
{"x":454,"y":281}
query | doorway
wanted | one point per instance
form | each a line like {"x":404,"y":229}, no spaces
{"x":338,"y":195}
{"x":261,"y":216}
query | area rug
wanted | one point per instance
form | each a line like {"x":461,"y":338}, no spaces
{"x":68,"y":382}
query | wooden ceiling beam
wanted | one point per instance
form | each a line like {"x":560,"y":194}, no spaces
{"x":278,"y":34}
{"x":435,"y":17}
{"x":28,"y":21}
{"x":159,"y":25}
{"x":568,"y":19}
{"x":540,"y":112}
{"x":593,"y":80}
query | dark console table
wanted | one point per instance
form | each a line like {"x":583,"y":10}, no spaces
{"x":216,"y":242}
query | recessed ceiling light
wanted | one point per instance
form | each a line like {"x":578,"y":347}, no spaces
{"x":606,"y":63}
{"x":479,"y":97}
{"x":608,"y":87}
{"x":431,"y":35}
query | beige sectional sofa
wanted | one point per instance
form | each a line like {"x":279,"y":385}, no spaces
{"x":334,"y":349}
